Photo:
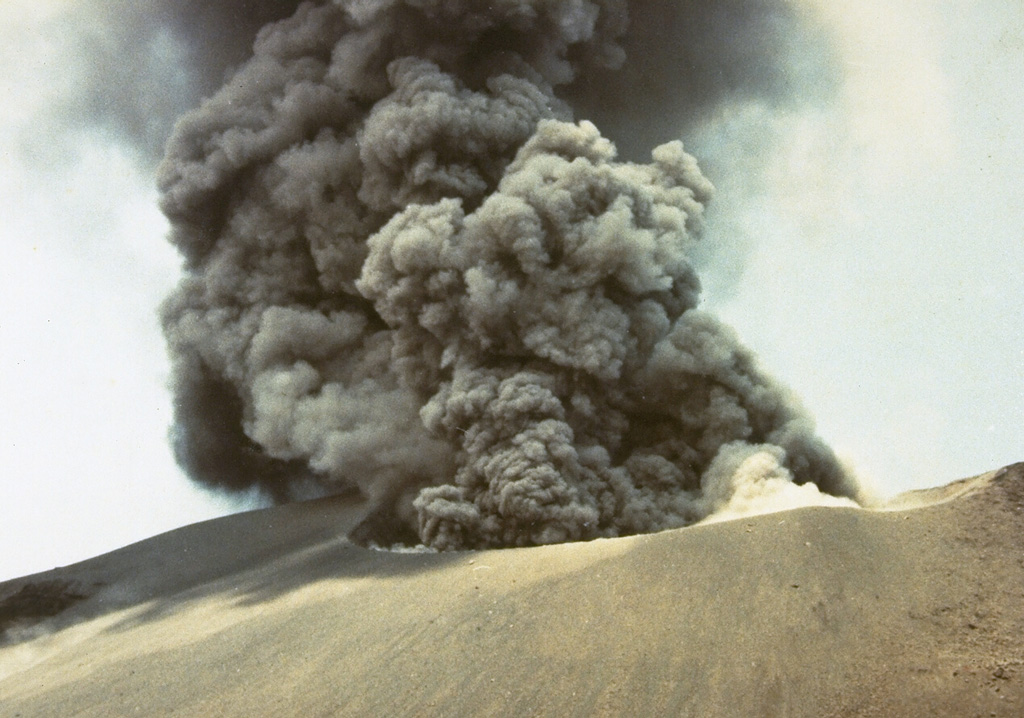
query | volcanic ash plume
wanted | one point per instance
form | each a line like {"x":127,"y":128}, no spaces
{"x":410,"y":270}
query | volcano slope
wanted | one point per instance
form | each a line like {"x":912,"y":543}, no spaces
{"x":914,"y":610}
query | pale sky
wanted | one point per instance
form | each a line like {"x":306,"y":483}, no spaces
{"x":884,"y":280}
{"x":881,"y":280}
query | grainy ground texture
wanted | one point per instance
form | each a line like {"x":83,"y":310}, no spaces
{"x":917,"y":610}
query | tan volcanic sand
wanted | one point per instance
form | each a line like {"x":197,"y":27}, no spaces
{"x":813,"y":612}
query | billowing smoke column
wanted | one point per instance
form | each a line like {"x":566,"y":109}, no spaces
{"x":411,"y":270}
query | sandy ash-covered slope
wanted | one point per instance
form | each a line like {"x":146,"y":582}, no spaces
{"x":914,"y":610}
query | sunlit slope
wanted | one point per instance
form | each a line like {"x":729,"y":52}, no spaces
{"x":814,"y":612}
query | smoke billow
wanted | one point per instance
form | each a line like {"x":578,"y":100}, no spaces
{"x":412,"y":269}
{"x":130,"y":68}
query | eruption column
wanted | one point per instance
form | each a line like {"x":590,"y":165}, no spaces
{"x":409,"y":270}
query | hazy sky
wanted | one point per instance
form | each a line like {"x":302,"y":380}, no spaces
{"x":881,"y":279}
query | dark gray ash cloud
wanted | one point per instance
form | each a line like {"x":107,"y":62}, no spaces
{"x":414,"y":267}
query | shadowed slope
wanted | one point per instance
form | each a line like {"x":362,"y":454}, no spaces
{"x":813,"y":612}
